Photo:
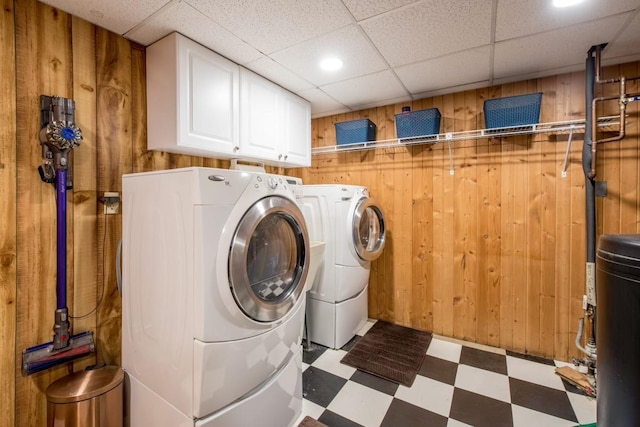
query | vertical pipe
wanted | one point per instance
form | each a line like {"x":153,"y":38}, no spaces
{"x":61,"y":255}
{"x":587,"y":161}
{"x":590,"y":205}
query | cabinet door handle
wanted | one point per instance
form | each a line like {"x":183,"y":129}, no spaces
{"x":279,"y":156}
{"x":285,"y":156}
{"x":236,"y":148}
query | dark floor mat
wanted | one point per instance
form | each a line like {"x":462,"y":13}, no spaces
{"x":310,"y":422}
{"x":390,"y":351}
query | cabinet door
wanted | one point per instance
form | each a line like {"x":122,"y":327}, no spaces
{"x":209,"y":99}
{"x":193,"y":99}
{"x":296,"y":125}
{"x":260,"y":129}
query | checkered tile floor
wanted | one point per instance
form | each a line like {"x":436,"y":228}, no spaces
{"x":456,"y":386}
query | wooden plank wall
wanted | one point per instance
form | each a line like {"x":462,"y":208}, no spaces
{"x":47,"y":70}
{"x":494,"y":253}
{"x":8,"y":240}
{"x":58,"y":54}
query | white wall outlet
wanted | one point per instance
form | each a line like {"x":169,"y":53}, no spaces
{"x":111,"y":203}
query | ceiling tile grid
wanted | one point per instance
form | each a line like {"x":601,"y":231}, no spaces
{"x":367,"y":90}
{"x":517,"y":18}
{"x":119,"y":16}
{"x":183,"y":18}
{"x":564,"y":46}
{"x":272,"y":25}
{"x":429,"y":29}
{"x":322,"y":104}
{"x":391,"y":49}
{"x":627,"y":44}
{"x":348,"y":43}
{"x":462,"y":67}
{"x":279,"y":74}
{"x":363,"y":9}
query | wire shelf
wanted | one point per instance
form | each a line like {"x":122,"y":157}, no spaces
{"x":604,"y":123}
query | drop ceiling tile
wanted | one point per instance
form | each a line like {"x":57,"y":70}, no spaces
{"x":382,"y":103}
{"x":539,"y":74}
{"x":453,"y":89}
{"x":516,"y":18}
{"x":347,"y":43}
{"x":447,"y":71}
{"x":183,"y":18}
{"x":366,"y":90}
{"x":272,"y":25}
{"x":567,"y":46}
{"x":430,"y":29}
{"x":118,"y":16}
{"x":321,"y":103}
{"x":628,"y":41}
{"x":275,"y":72}
{"x":362,"y":9}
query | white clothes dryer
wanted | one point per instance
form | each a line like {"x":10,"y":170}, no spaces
{"x":214,"y":269}
{"x":353,"y":227}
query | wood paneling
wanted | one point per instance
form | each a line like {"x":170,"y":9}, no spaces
{"x":115,"y":148}
{"x":8,"y":214}
{"x":494,"y":253}
{"x":43,"y":67}
{"x":83,"y":220}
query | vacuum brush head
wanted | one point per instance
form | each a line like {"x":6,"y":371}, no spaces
{"x":44,"y":356}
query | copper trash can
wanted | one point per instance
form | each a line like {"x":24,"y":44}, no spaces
{"x":91,"y":398}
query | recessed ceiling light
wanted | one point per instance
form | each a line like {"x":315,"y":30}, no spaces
{"x":331,"y":64}
{"x":566,"y":3}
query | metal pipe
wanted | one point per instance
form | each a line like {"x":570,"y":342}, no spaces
{"x":621,"y":132}
{"x":589,"y":352}
{"x":598,"y":51}
{"x":590,"y":198}
{"x":587,"y":162}
{"x":622,"y":102}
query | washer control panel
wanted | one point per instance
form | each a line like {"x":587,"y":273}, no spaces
{"x":270,"y":182}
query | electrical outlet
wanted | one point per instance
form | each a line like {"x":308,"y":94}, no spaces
{"x":111,"y":203}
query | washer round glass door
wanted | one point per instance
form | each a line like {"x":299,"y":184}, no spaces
{"x":368,"y":230}
{"x":269,"y":259}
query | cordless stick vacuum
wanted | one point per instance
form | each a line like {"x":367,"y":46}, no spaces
{"x":58,"y":136}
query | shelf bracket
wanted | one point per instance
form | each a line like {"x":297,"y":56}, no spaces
{"x":566,"y":155}
{"x":449,"y":136}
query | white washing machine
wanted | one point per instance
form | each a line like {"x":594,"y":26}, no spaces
{"x":214,"y":269}
{"x":352,"y":225}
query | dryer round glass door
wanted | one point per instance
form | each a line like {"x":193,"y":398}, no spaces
{"x":368,"y":230}
{"x":269,"y":259}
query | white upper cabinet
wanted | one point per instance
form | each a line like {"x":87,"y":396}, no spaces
{"x":275,"y":124}
{"x":202,"y":104}
{"x":296,"y":114}
{"x":260,"y":125}
{"x":192,"y":99}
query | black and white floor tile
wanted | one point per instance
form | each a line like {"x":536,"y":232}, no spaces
{"x":457,"y":385}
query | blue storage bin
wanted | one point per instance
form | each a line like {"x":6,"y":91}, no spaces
{"x":512,"y":111}
{"x":355,"y":131}
{"x":418,"y":123}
